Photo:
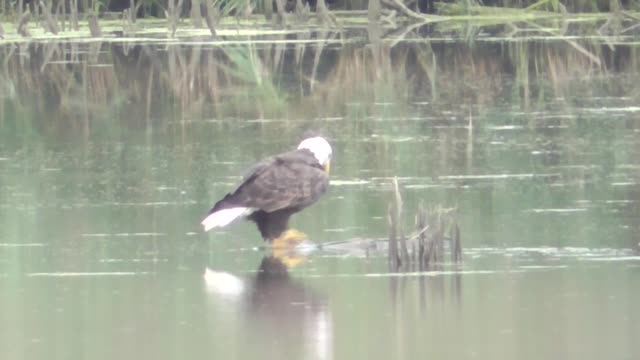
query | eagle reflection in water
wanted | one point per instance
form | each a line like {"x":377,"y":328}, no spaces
{"x":278,"y":315}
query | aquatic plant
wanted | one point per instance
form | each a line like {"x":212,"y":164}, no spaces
{"x":425,"y":249}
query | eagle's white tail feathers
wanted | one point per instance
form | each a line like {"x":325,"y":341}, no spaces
{"x":224,"y":217}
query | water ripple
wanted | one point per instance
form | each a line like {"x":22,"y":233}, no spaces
{"x":88,"y":274}
{"x":144,"y":234}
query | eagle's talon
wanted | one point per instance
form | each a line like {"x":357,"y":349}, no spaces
{"x":284,"y":248}
{"x":289,"y":239}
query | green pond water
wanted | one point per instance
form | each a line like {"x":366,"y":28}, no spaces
{"x":111,"y":154}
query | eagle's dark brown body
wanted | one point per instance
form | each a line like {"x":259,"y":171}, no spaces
{"x":277,"y":188}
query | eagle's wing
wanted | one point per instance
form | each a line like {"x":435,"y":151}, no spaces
{"x":290,"y":180}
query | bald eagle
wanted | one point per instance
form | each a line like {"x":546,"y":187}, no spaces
{"x":276,"y":188}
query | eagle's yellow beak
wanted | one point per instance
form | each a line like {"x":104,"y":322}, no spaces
{"x":327,"y":166}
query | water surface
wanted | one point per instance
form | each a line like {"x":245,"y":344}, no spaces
{"x":111,"y":154}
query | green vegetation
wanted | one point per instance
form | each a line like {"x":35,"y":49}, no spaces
{"x":109,"y":20}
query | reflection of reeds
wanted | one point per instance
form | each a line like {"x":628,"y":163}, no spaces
{"x":247,"y":81}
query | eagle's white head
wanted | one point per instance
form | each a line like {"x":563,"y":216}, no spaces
{"x":320,"y":149}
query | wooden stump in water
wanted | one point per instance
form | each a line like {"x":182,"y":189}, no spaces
{"x":427,"y":244}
